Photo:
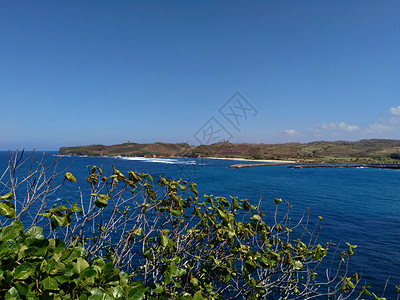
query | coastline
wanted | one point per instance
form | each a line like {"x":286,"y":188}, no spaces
{"x":363,"y":151}
{"x":258,"y":160}
{"x":225,"y":158}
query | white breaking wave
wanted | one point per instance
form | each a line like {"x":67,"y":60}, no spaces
{"x":60,"y":155}
{"x":172,"y":161}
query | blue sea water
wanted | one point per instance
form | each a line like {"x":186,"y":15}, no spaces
{"x":358,"y":205}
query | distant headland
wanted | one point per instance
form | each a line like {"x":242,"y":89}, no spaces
{"x":360,"y":152}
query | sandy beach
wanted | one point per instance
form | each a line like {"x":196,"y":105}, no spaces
{"x":258,"y":160}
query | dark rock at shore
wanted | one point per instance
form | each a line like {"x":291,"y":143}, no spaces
{"x":238,"y":166}
{"x":376,"y":166}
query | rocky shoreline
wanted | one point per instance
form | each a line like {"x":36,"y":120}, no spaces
{"x":376,"y":166}
{"x":239,"y":166}
{"x":297,"y":166}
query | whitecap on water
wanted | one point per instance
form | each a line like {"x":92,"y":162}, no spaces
{"x":174,"y":161}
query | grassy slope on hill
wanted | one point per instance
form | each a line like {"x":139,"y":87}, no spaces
{"x":339,"y":151}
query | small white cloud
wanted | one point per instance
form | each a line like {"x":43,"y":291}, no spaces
{"x":328,"y":126}
{"x":342,"y":126}
{"x":395,"y":110}
{"x":291,"y":132}
{"x":377,"y":128}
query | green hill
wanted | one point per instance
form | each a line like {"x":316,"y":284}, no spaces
{"x":339,"y":151}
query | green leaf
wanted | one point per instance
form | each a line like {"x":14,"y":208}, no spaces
{"x":74,"y":209}
{"x":46,"y":215}
{"x":23,"y":271}
{"x":137,"y":231}
{"x":198,"y":296}
{"x":186,"y":296}
{"x":33,"y":234}
{"x":10,"y":232}
{"x":56,"y":245}
{"x":86,"y":283}
{"x":158,"y":289}
{"x":134,"y":177}
{"x":101,"y":200}
{"x":176,"y":260}
{"x":175,"y":212}
{"x":7,"y":209}
{"x":22,"y":288}
{"x":298,"y":265}
{"x":193,"y":189}
{"x":266,"y":263}
{"x":350,"y":251}
{"x":99,"y":294}
{"x":66,"y":220}
{"x":49,"y":284}
{"x":9,"y":247}
{"x":56,"y":221}
{"x":137,"y":291}
{"x":225,"y":202}
{"x":7,"y":196}
{"x":69,"y":255}
{"x":80,"y":265}
{"x":12,"y":294}
{"x":171,"y":244}
{"x":173,"y":269}
{"x":117,"y":292}
{"x":99,"y":262}
{"x":99,"y":169}
{"x":246,"y":205}
{"x":88,"y":272}
{"x":37,"y":248}
{"x":277,"y":201}
{"x":221,"y":213}
{"x":103,"y":196}
{"x":167,"y":278}
{"x":70,"y":177}
{"x":235,"y":203}
{"x":163,"y":240}
{"x":194,"y":282}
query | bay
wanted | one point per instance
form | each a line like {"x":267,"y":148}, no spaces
{"x":358,"y":205}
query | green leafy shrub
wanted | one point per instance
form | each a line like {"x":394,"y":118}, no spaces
{"x":33,"y":267}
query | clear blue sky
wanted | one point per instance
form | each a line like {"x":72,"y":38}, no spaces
{"x":88,"y":72}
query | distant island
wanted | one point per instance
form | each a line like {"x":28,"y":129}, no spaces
{"x":364,"y":151}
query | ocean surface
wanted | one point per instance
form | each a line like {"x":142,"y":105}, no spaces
{"x":358,"y":205}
